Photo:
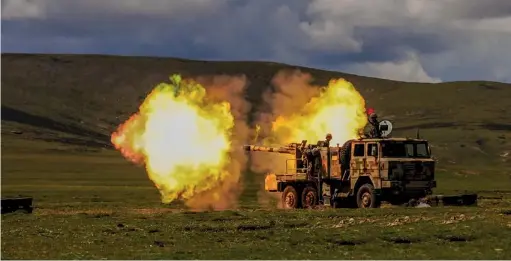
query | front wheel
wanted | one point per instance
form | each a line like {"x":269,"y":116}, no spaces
{"x":366,"y":198}
{"x":290,"y":199}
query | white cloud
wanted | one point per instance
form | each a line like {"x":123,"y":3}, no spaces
{"x":21,"y":9}
{"x":484,"y":57}
{"x":409,"y":69}
{"x":473,"y":31}
{"x":497,"y":25}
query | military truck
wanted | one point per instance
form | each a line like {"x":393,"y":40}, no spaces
{"x":361,"y":173}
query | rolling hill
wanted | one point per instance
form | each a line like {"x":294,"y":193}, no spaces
{"x":80,"y":99}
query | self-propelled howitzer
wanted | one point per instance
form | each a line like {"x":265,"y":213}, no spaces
{"x":362,"y":172}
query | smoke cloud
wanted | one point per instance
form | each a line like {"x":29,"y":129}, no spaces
{"x":226,"y":194}
{"x":291,"y":90}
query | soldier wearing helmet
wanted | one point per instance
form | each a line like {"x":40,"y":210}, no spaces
{"x":375,"y":130}
{"x":328,"y":139}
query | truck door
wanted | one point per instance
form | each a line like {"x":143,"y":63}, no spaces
{"x":372,"y":159}
{"x":358,"y":160}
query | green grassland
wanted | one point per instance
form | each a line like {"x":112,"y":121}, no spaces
{"x":59,"y":110}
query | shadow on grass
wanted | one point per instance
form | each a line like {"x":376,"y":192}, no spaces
{"x":96,"y":139}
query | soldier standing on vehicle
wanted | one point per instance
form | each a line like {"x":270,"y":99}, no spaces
{"x":328,"y":139}
{"x":375,"y":126}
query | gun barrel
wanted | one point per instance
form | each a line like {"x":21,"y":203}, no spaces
{"x":268,"y":149}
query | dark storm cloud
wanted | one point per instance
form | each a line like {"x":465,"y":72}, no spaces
{"x":379,"y":38}
{"x":477,"y":9}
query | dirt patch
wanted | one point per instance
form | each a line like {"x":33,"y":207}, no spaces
{"x":295,"y":225}
{"x":153,"y":211}
{"x":402,"y":240}
{"x":159,"y":243}
{"x":455,"y":238}
{"x":456,"y":218}
{"x":348,"y":242}
{"x":205,"y":228}
{"x":352,"y":221}
{"x":249,"y":227}
{"x":406,"y":220}
{"x":95,"y":213}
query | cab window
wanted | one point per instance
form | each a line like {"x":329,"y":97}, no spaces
{"x":359,"y":150}
{"x":422,"y":150}
{"x":372,"y":149}
{"x":409,"y":150}
{"x":399,"y":149}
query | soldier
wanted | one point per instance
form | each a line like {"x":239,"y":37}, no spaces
{"x":310,"y":162}
{"x":327,"y":140}
{"x":375,"y":126}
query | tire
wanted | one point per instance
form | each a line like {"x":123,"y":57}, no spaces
{"x":290,"y":199}
{"x":309,"y":197}
{"x":366,"y":198}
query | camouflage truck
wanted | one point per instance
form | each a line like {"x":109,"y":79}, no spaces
{"x":362,"y":172}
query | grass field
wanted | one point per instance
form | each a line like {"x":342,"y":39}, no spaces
{"x":58,"y":112}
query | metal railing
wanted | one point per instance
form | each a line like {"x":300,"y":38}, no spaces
{"x":294,"y":170}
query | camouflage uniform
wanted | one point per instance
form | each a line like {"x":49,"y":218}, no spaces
{"x":374,"y":131}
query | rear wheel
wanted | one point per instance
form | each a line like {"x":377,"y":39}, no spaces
{"x":309,"y":197}
{"x":366,"y":198}
{"x":290,"y":199}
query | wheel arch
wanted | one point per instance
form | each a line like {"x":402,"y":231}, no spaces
{"x":361,"y":181}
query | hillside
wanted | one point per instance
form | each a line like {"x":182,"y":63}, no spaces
{"x":58,"y":112}
{"x":80,"y":99}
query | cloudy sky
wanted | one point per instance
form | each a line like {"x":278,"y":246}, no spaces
{"x":411,"y":40}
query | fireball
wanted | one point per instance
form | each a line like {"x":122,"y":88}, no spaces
{"x":181,"y":137}
{"x":339,"y":109}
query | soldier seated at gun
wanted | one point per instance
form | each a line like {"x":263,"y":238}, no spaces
{"x":312,"y":156}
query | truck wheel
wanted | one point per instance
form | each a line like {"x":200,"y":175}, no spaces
{"x":290,"y":198}
{"x":309,"y":197}
{"x":366,"y":197}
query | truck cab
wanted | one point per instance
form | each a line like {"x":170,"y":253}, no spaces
{"x":398,"y":169}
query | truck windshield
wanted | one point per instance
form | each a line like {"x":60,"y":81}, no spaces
{"x":404,"y":149}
